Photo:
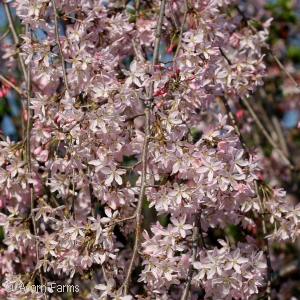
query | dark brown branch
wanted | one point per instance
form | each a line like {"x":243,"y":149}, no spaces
{"x":266,"y":243}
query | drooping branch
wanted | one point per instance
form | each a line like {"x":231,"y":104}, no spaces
{"x":144,"y":155}
{"x":186,"y":8}
{"x":15,"y":37}
{"x":59,"y":47}
{"x":195,"y":241}
{"x":266,"y":243}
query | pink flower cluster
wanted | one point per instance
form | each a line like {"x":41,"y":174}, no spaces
{"x":88,"y":116}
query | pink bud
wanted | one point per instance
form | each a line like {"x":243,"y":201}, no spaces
{"x":162,"y":91}
{"x":56,"y":119}
{"x":44,"y":155}
{"x":37,"y":150}
{"x":159,"y":104}
{"x":169,"y":49}
{"x":17,"y":153}
{"x":240,"y":113}
{"x":24,"y":111}
{"x":156,"y":66}
{"x":154,"y":94}
{"x":12,"y":80}
{"x":170,"y":68}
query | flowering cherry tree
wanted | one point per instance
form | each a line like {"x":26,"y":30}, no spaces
{"x":127,"y":105}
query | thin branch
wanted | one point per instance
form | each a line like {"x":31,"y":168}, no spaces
{"x":280,"y":65}
{"x":266,"y":134}
{"x":59,"y":47}
{"x":154,"y":186}
{"x":91,"y":194}
{"x":15,"y":37}
{"x":266,"y":243}
{"x":73,"y":198}
{"x":195,"y":240}
{"x":186,"y":8}
{"x":174,"y":17}
{"x":201,"y":233}
{"x":275,"y":121}
{"x":138,"y":213}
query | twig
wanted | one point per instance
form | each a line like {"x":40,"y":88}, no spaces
{"x":136,"y":52}
{"x":134,"y":117}
{"x":17,"y":89}
{"x":138,"y":213}
{"x":15,"y":37}
{"x":4,"y":35}
{"x":280,"y":65}
{"x":195,"y":240}
{"x":186,"y":8}
{"x":266,"y":243}
{"x":123,"y":220}
{"x":130,"y":167}
{"x":275,"y":122}
{"x":59,"y":47}
{"x":233,"y":121}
